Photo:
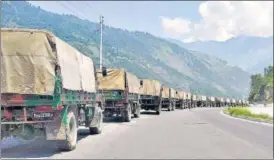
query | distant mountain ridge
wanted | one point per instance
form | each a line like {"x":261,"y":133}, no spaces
{"x":250,"y":53}
{"x":140,"y":53}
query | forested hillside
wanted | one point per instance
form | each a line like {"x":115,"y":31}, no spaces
{"x":262,"y":86}
{"x":145,"y":55}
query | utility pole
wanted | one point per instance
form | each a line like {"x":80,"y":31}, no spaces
{"x":101,"y":41}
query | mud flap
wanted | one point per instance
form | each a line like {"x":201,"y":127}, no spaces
{"x":56,"y":129}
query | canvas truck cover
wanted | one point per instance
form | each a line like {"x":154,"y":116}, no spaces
{"x":233,"y":101}
{"x":203,"y":98}
{"x":227,"y":100}
{"x":185,"y":95}
{"x":28,"y":62}
{"x":115,"y":79}
{"x":77,"y":70}
{"x":133,"y":83}
{"x":212,"y":99}
{"x":188,"y":95}
{"x":194,"y":97}
{"x":165,"y":93}
{"x":180,"y":94}
{"x":151,"y":87}
{"x":199,"y":97}
{"x":222,"y":99}
{"x":173,"y":93}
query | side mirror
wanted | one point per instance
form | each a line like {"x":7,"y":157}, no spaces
{"x":141,"y":82}
{"x":104,"y":71}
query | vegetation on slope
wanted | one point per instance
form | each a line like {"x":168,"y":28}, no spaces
{"x":262,"y":86}
{"x":141,"y":53}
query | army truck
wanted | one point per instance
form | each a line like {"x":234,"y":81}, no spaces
{"x":173,"y":98}
{"x":188,"y":100}
{"x":151,"y":95}
{"x":166,"y":99}
{"x":121,"y":90}
{"x":199,"y":101}
{"x":211,"y":101}
{"x":180,"y":100}
{"x":219,"y":101}
{"x":48,"y":88}
{"x":233,"y":102}
{"x":227,"y":102}
{"x":239,"y":103}
{"x":193,"y":101}
{"x":203,"y":101}
{"x":184,"y":100}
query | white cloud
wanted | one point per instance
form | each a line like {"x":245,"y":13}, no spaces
{"x":176,"y":26}
{"x":221,"y":20}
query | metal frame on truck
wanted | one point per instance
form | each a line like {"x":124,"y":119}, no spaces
{"x":121,"y":92}
{"x":51,"y":91}
{"x":151,"y":95}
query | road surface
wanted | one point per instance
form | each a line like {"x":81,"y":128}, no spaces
{"x":196,"y":133}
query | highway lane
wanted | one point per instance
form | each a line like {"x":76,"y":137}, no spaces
{"x":196,"y":133}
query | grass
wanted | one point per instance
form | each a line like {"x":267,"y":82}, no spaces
{"x":245,"y":113}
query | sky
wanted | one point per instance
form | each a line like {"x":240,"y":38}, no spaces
{"x":188,"y":21}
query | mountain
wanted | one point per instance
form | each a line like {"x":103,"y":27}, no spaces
{"x":140,"y":53}
{"x":252,"y":54}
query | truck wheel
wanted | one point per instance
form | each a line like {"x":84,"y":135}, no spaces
{"x":99,"y":128}
{"x":70,"y":142}
{"x":159,"y":110}
{"x":138,"y":111}
{"x":127,"y":113}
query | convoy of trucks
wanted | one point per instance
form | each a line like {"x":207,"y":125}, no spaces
{"x":50,"y":88}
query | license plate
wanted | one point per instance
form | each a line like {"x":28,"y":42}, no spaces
{"x":43,"y":115}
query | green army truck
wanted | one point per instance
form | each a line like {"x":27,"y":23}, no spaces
{"x":151,"y":95}
{"x":188,"y":100}
{"x":199,"y":101}
{"x":166,"y":99}
{"x":219,"y":101}
{"x":233,"y":103}
{"x":193,"y":101}
{"x":121,"y":90}
{"x":227,"y":102}
{"x":185,"y":103}
{"x":173,"y":98}
{"x":180,"y":99}
{"x":47,"y":88}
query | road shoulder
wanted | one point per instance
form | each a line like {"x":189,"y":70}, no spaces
{"x":247,"y":119}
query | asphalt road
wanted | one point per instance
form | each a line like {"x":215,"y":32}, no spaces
{"x":197,"y":133}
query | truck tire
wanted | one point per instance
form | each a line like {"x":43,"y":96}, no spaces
{"x":127,"y":113}
{"x":98,"y":129}
{"x":70,"y":142}
{"x":138,"y":111}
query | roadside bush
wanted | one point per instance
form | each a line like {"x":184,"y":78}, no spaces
{"x":244,"y":112}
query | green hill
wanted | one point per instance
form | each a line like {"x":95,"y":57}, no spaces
{"x":262,"y":86}
{"x":141,"y":53}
